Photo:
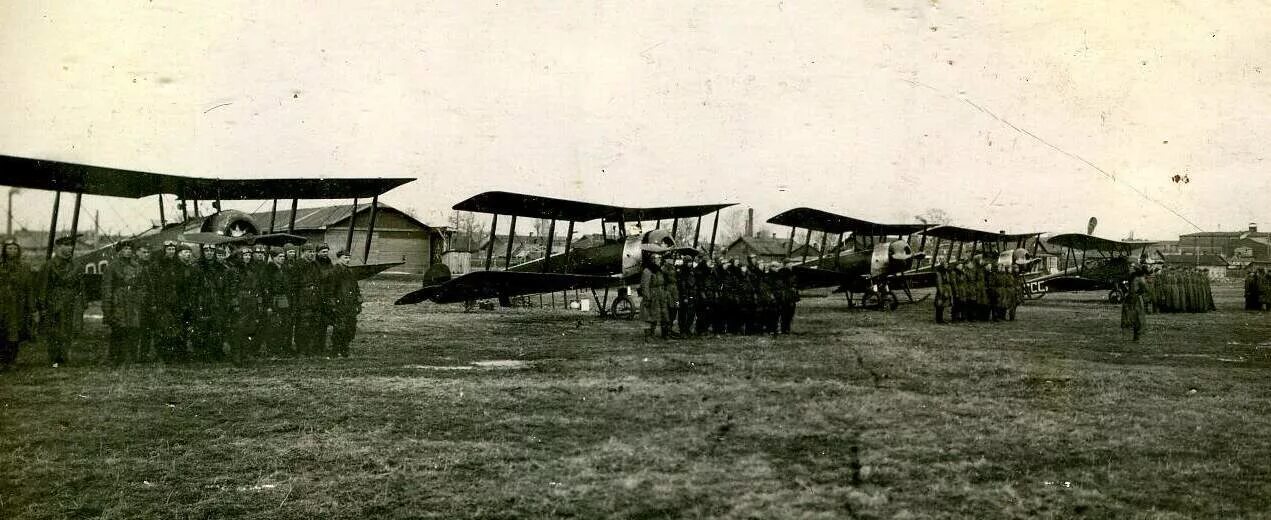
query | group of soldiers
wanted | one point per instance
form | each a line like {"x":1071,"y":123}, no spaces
{"x":1179,"y":289}
{"x":1258,"y":290}
{"x":185,"y":303}
{"x":44,"y":303}
{"x":977,"y":290}
{"x":697,"y":296}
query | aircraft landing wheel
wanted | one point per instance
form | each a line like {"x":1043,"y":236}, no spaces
{"x":622,"y":308}
{"x":1114,"y":296}
{"x":879,"y":301}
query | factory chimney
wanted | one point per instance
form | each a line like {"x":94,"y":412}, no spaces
{"x":750,"y":222}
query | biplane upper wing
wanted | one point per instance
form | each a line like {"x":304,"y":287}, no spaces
{"x":1084,"y":242}
{"x":494,"y":284}
{"x":961,"y":234}
{"x":41,"y":174}
{"x":505,"y":203}
{"x":826,"y":222}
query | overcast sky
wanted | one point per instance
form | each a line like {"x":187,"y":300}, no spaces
{"x":1007,"y":115}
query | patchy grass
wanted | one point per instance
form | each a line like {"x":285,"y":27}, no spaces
{"x":860,"y":415}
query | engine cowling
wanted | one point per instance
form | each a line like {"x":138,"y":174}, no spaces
{"x":230,"y":223}
{"x":633,"y":251}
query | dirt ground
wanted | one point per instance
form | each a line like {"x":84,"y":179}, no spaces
{"x":528,"y":413}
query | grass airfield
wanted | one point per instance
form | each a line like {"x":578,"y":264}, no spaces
{"x":861,"y":414}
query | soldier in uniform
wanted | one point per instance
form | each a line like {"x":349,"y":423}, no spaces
{"x":722,"y":307}
{"x":245,"y":306}
{"x":306,"y":278}
{"x":687,"y":280}
{"x":1252,"y":296}
{"x":653,"y":306}
{"x":325,"y":268}
{"x":145,"y":303}
{"x":742,"y":298}
{"x":214,"y":301}
{"x":345,"y":304}
{"x":943,"y":295}
{"x":277,"y":288}
{"x":1264,"y":289}
{"x":704,"y":297}
{"x":61,"y":301}
{"x":188,"y":288}
{"x":672,"y":289}
{"x":790,"y":296}
{"x":17,"y":299}
{"x":164,"y":301}
{"x":1133,"y":314}
{"x":122,"y":304}
{"x":768,"y":304}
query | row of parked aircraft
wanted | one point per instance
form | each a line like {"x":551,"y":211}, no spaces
{"x":875,"y":261}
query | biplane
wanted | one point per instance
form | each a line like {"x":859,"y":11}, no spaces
{"x":1081,"y":271}
{"x":1005,"y":249}
{"x":219,"y":227}
{"x":880,"y":258}
{"x":614,"y":262}
{"x":875,"y":256}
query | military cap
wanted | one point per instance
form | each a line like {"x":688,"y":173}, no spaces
{"x":323,"y":246}
{"x":209,"y":247}
{"x":9,"y":241}
{"x":260,"y":248}
{"x":66,"y":241}
{"x":343,"y":252}
{"x":172,"y":243}
{"x":307,"y":247}
{"x":244,"y":249}
{"x":279,"y":250}
{"x":124,"y":243}
{"x":288,"y":247}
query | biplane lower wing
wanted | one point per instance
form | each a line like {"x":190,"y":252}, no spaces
{"x":501,"y":284}
{"x":362,"y":272}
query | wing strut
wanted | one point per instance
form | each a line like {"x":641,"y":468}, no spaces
{"x":569,"y":240}
{"x":714,"y":228}
{"x":807,"y":239}
{"x":821,"y":256}
{"x":551,"y":237}
{"x":57,"y":201}
{"x":370,"y":229}
{"x":507,"y":261}
{"x":790,"y":243}
{"x":697,"y":231}
{"x":348,"y":239}
{"x":75,"y":222}
{"x":163,"y":219}
{"x":291,"y":223}
{"x":675,"y":227}
{"x":838,"y":249}
{"x":273,"y":215}
{"x":489,"y":249}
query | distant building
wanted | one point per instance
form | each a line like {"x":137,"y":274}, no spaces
{"x":399,"y":237}
{"x":1213,"y":265}
{"x":1218,"y":242}
{"x":768,"y":248}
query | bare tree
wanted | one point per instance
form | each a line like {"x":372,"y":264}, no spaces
{"x":934,"y":217}
{"x":469,"y":230}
